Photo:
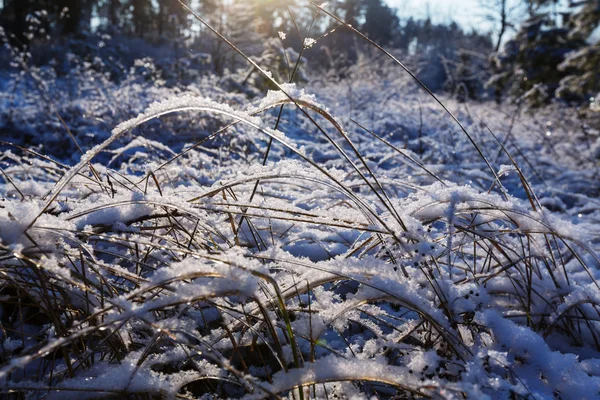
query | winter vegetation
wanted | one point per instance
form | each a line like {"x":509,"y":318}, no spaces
{"x":282,"y":199}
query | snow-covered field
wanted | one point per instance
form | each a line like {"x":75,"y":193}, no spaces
{"x":345,"y":235}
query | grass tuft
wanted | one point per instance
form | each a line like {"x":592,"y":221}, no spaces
{"x":282,"y":256}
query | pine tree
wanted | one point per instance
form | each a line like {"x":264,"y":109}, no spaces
{"x":13,"y":17}
{"x":141,"y":16}
{"x":527,"y":68}
{"x":172,"y":18}
{"x":64,"y":16}
{"x":381,"y":22}
{"x":71,"y":13}
{"x":582,"y":67}
{"x":244,"y":29}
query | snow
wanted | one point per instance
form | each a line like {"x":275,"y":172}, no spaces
{"x":309,"y":42}
{"x":288,"y":90}
{"x":337,"y":262}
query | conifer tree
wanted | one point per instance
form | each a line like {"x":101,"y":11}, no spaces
{"x":582,"y":82}
{"x":171,"y":19}
{"x":527,"y":67}
{"x":381,"y":22}
{"x":66,"y":16}
{"x":141,"y":16}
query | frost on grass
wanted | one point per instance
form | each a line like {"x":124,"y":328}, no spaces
{"x":309,"y":42}
{"x":288,"y":91}
{"x":334,"y":263}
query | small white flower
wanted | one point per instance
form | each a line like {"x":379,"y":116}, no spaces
{"x":282,"y":35}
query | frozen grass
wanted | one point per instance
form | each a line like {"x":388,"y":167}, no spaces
{"x":306,"y":252}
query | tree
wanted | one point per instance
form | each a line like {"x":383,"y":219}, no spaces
{"x":113,"y":12}
{"x":63,"y":16}
{"x":14,"y":16}
{"x":71,"y":12}
{"x":549,"y":58}
{"x":502,"y":15}
{"x":582,"y":67}
{"x":243,"y":29}
{"x":527,"y":67}
{"x":142,"y":16}
{"x":172,"y":18}
{"x":381,"y":22}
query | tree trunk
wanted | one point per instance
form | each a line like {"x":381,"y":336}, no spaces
{"x":161,"y":18}
{"x":503,"y":24}
{"x":113,"y":7}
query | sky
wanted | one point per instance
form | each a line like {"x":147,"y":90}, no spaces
{"x":467,"y":13}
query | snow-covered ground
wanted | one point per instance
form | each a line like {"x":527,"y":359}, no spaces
{"x":346,"y":235}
